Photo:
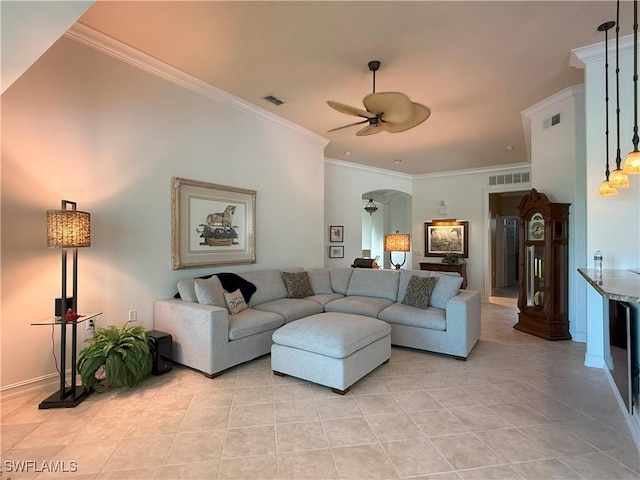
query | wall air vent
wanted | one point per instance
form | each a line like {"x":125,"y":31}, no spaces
{"x":509,"y":178}
{"x":273,"y":99}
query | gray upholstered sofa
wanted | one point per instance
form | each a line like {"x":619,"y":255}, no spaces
{"x":209,"y":339}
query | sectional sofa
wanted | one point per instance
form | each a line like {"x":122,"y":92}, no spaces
{"x":207,"y":338}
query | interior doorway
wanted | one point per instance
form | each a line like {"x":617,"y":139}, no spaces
{"x":504,"y":255}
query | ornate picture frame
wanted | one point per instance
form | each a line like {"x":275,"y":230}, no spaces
{"x":211,"y":224}
{"x":336,"y":233}
{"x":444,"y":236}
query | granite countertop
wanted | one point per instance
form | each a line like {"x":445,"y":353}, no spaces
{"x":621,"y":285}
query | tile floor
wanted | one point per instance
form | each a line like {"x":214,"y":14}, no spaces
{"x":519,"y":408}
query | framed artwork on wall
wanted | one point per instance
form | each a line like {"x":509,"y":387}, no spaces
{"x":336,"y":251}
{"x":211,"y":224}
{"x":336,"y":233}
{"x":445,"y":236}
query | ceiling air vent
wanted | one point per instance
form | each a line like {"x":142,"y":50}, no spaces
{"x":273,"y":99}
{"x":509,"y":178}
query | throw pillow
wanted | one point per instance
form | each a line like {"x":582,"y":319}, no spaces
{"x":298,"y":285}
{"x":320,"y":280}
{"x":235,"y":302}
{"x":419,"y":291}
{"x":186,"y":290}
{"x":209,"y":291}
{"x":447,"y":287}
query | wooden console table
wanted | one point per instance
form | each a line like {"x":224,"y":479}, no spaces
{"x":460,"y":268}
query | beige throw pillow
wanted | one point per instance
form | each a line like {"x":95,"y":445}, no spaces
{"x":419,"y":291}
{"x":235,"y":302}
{"x":209,"y":291}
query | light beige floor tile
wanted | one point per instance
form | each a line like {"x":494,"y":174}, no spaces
{"x":466,"y":451}
{"x":597,"y":466}
{"x":394,"y":426}
{"x":627,"y":455}
{"x":263,"y":467}
{"x":348,"y":431}
{"x":312,"y":465}
{"x":438,"y":476}
{"x":251,"y":396}
{"x":555,"y":410}
{"x":196,"y":447}
{"x":139,"y":452}
{"x":489,"y":394}
{"x":415,"y":457}
{"x":293,"y":437}
{"x":259,"y":365}
{"x":518,"y":414}
{"x":190,"y":471}
{"x":293,"y":412}
{"x":377,"y":404}
{"x":88,"y":458}
{"x":394,"y":369}
{"x":212,"y":398}
{"x":596,"y":434}
{"x":436,"y":380}
{"x":363,"y":461}
{"x":551,"y":469}
{"x":416,"y":401}
{"x":291,"y":393}
{"x":51,"y":433}
{"x":198,"y":419}
{"x":251,"y":415}
{"x":454,"y":397}
{"x":479,"y":417}
{"x":245,"y":442}
{"x":134,"y":474}
{"x":169,"y":402}
{"x":338,"y":407}
{"x":514,"y":446}
{"x":405,"y":383}
{"x":254,"y":380}
{"x":438,"y":422}
{"x":104,"y":428}
{"x":11,"y":434}
{"x":168,"y":422}
{"x":557,"y":440}
{"x":369,"y":385}
{"x":499,"y":472}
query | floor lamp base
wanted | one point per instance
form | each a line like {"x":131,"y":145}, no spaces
{"x":71,"y":400}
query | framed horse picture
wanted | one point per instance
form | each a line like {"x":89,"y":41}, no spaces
{"x":211,"y":224}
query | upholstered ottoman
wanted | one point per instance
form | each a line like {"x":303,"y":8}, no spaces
{"x":332,"y":349}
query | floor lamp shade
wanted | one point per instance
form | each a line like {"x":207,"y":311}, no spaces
{"x":68,"y":229}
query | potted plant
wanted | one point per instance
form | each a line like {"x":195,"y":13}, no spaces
{"x":452,"y":258}
{"x":115,"y":357}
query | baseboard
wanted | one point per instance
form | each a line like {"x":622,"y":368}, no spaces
{"x":595,"y":361}
{"x":20,"y":388}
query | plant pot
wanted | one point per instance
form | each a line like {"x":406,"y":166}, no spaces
{"x":219,"y":242}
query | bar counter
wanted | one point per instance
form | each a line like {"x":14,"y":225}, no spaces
{"x":620,"y":285}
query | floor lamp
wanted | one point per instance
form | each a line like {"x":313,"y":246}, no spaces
{"x":397,"y":242}
{"x":67,"y":228}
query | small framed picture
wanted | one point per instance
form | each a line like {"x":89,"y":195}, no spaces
{"x":336,"y":252}
{"x":336,"y":233}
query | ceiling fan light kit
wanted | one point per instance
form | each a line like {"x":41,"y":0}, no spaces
{"x":391,"y":112}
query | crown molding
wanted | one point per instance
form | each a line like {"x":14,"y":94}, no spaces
{"x":120,"y":51}
{"x":579,"y":57}
{"x":367,"y":168}
{"x":569,"y":93}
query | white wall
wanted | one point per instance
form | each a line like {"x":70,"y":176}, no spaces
{"x":345,"y":183}
{"x":83,"y":126}
{"x":558,"y":161}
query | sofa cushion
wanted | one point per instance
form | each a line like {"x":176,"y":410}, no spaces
{"x":235,"y":302}
{"x":291,"y":308}
{"x":320,"y":280}
{"x":367,"y":282}
{"x":447,"y":287}
{"x":431,"y":318}
{"x":324,"y":298}
{"x":419,"y":291}
{"x":209,"y":291}
{"x":250,"y":322}
{"x":297,"y":283}
{"x":340,"y":279}
{"x":405,"y":276}
{"x":187,"y":290}
{"x":367,"y":306}
{"x":331,"y":334}
{"x":269,"y":285}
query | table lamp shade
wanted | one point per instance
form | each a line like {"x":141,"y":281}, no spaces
{"x":68,"y":229}
{"x":397,"y":242}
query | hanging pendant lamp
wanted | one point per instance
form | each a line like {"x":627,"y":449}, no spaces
{"x":632,"y":164}
{"x":606,"y":189}
{"x":370,"y":207}
{"x":618,"y":178}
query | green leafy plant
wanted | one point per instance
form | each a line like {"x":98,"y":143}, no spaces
{"x":115,"y":357}
{"x":452,"y":258}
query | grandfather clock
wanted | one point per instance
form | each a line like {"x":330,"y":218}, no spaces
{"x":543,"y":267}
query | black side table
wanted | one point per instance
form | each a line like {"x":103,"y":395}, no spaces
{"x":161,"y":345}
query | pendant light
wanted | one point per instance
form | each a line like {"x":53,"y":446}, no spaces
{"x":632,"y":164}
{"x":618,"y":178}
{"x":606,"y":189}
{"x":370,"y":207}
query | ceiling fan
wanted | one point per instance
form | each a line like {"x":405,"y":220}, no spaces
{"x":391,"y":112}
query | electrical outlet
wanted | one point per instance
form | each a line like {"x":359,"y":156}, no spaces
{"x":133,"y":315}
{"x":90,"y":325}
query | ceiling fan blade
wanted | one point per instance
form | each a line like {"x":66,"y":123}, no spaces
{"x":369,"y":130}
{"x":349,"y":110}
{"x":395,"y":107}
{"x":420,"y":114}
{"x":350,"y":125}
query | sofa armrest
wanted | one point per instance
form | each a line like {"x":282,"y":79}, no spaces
{"x":198,"y":331}
{"x":463,"y":315}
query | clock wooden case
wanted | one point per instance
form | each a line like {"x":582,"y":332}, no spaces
{"x":543,"y":266}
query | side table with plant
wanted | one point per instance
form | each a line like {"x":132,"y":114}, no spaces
{"x":115,"y":357}
{"x":453,"y":258}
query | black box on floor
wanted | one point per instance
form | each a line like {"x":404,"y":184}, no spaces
{"x":161,"y":345}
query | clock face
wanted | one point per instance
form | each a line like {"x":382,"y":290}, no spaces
{"x":536,"y":227}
